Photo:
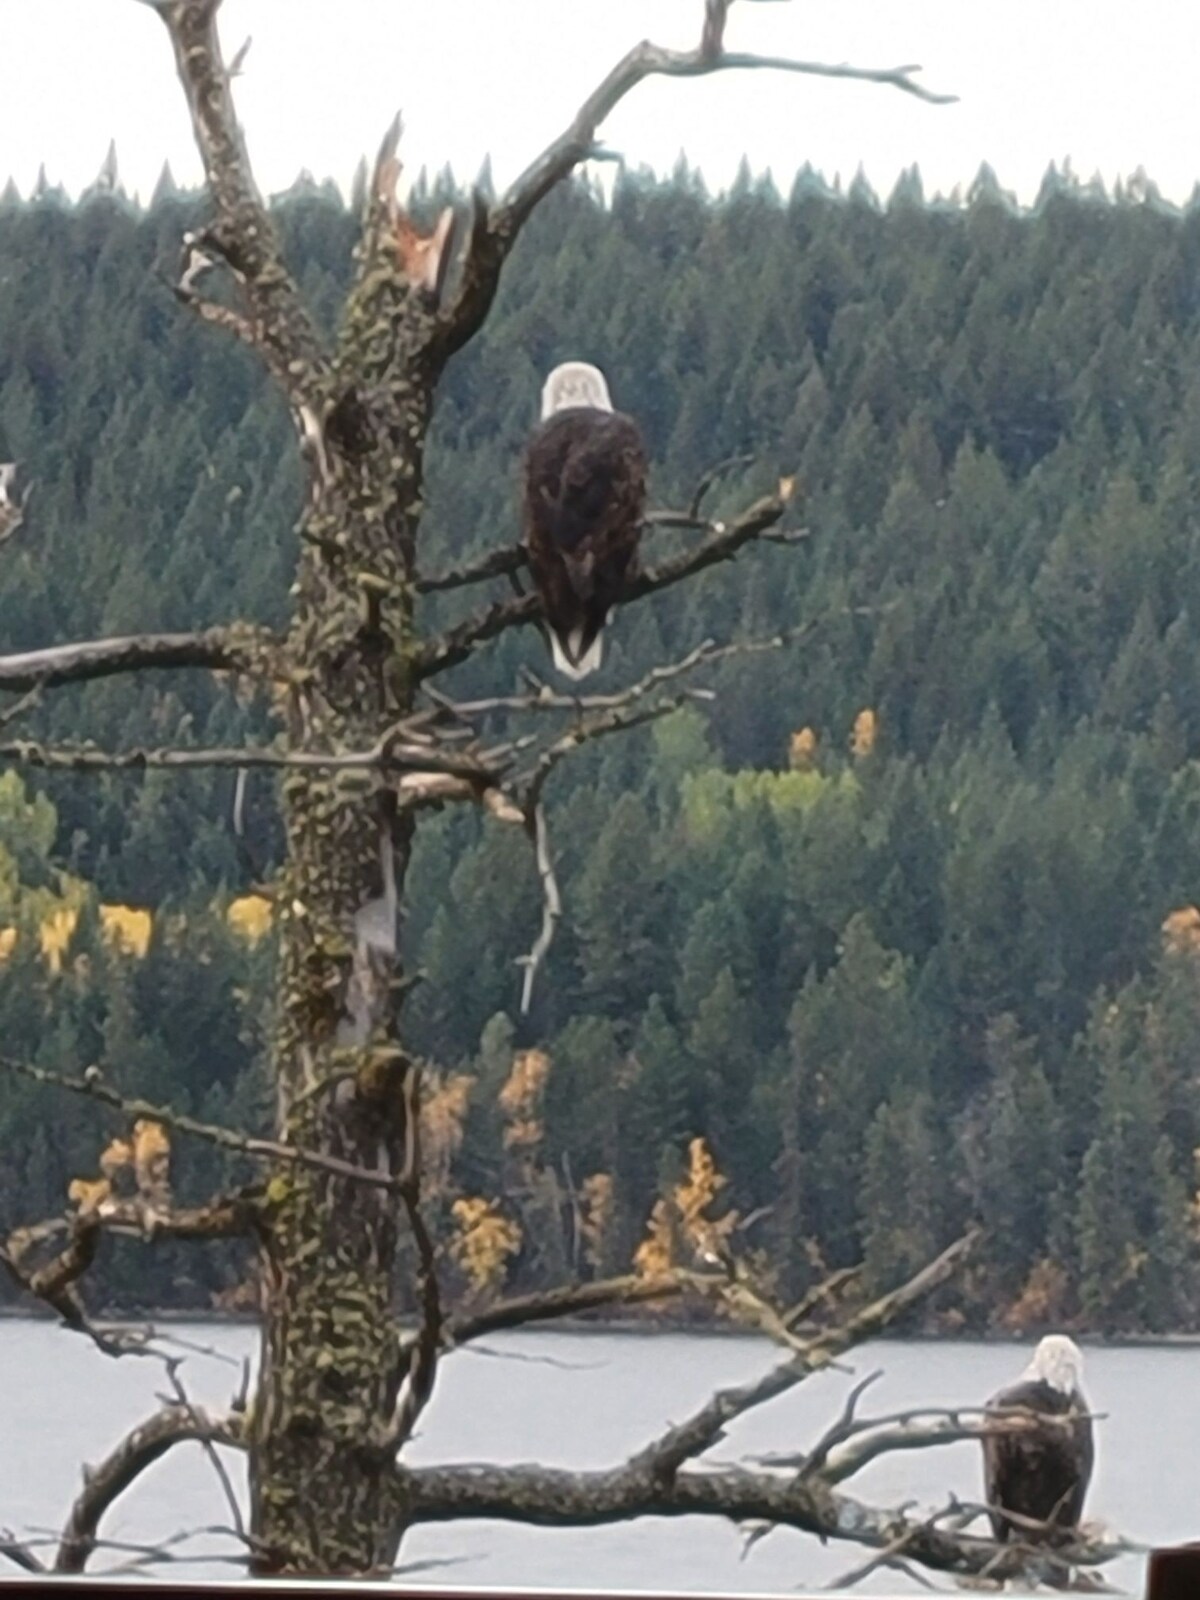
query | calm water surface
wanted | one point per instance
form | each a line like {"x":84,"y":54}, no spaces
{"x":587,"y":1400}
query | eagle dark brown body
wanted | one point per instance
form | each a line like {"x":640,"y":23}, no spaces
{"x":584,"y":499}
{"x":1042,"y":1473}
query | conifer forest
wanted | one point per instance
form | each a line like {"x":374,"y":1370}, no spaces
{"x":902,"y":923}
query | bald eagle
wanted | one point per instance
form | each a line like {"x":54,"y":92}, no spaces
{"x":584,"y":494}
{"x":1042,"y":1474}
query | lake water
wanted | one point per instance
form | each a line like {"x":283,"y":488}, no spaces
{"x":587,"y":1399}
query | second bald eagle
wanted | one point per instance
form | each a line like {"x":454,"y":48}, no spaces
{"x":583,"y":502}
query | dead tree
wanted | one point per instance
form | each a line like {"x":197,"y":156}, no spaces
{"x":366,"y":745}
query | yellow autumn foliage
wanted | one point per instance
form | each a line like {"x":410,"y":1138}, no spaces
{"x":250,"y":917}
{"x":682,"y":1219}
{"x":521,"y":1100}
{"x":116,"y":1157}
{"x":8,"y":942}
{"x":151,"y":1159}
{"x":596,"y":1213}
{"x":1181,"y":931}
{"x":864,"y":733}
{"x":522,"y":1091}
{"x":89,"y":1194}
{"x":127,"y":929}
{"x":802,"y":750}
{"x":484,"y":1242}
{"x":653,"y":1258}
{"x":443,"y":1112}
{"x":55,"y":935}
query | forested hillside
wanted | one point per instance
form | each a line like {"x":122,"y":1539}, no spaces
{"x":902,"y":923}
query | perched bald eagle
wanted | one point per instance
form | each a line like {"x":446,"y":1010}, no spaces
{"x":1040,"y":1473}
{"x":584,"y":494}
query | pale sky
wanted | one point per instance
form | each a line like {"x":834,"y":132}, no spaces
{"x":1109,"y":86}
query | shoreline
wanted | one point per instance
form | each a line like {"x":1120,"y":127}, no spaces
{"x":642,"y":1326}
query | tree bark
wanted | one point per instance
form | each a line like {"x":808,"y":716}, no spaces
{"x":323,"y":1487}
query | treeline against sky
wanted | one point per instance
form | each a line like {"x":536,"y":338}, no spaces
{"x":901,"y":923}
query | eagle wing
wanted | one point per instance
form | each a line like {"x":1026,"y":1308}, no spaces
{"x":1040,"y":1474}
{"x":584,"y":499}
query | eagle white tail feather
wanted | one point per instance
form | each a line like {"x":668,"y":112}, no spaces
{"x":576,"y":669}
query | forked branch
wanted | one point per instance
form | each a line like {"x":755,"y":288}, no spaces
{"x":139,"y":1449}
{"x":723,"y":543}
{"x":55,"y":1282}
{"x":496,"y":229}
{"x":241,"y":234}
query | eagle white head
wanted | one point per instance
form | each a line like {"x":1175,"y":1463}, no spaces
{"x":574,"y":383}
{"x":1057,"y":1361}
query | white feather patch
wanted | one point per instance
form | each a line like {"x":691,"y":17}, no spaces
{"x":571,"y":669}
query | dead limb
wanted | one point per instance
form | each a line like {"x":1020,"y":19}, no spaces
{"x":423,"y":1353}
{"x":139,"y":1449}
{"x":236,"y":649}
{"x":495,"y":229}
{"x":570,"y":1301}
{"x":454,"y":646}
{"x":702,"y":1430}
{"x":94,"y":1088}
{"x":19,"y":1552}
{"x":241,"y":234}
{"x":55,"y":1281}
{"x":209,"y":1448}
{"x":496,"y":564}
{"x":549,"y":1497}
{"x":389,"y":754}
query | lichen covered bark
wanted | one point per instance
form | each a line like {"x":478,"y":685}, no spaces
{"x":323,"y":1487}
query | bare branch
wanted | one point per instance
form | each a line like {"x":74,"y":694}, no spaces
{"x":847,"y":1449}
{"x":495,"y":230}
{"x":139,"y":1449}
{"x":265,"y":1149}
{"x":713,"y":476}
{"x":55,"y":1281}
{"x":825,"y":1290}
{"x":496,"y":564}
{"x":548,"y":1497}
{"x":570,"y":1301}
{"x":209,"y":1448}
{"x":424,"y":1349}
{"x":457,"y":643}
{"x":242,"y":233}
{"x":551,"y":904}
{"x":513,"y":558}
{"x":388,"y":754}
{"x":236,"y":649}
{"x":705,"y":1427}
{"x":18,"y":1552}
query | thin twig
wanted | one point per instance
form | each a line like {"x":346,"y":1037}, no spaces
{"x":227,"y":1138}
{"x":209,"y":1448}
